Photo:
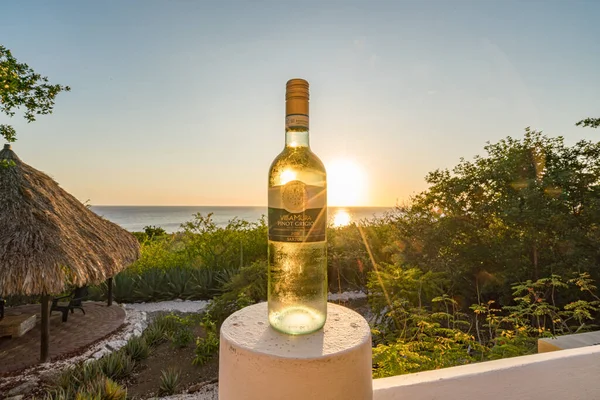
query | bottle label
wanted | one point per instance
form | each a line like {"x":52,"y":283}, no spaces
{"x":296,"y":121}
{"x":297,"y":212}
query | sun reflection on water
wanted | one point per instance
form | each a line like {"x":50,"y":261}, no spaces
{"x":341,"y":218}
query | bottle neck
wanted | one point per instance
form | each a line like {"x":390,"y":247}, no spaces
{"x":296,"y":114}
{"x":296,"y":138}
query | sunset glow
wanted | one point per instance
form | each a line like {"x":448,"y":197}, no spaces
{"x":341,"y":218}
{"x":408,"y":89}
{"x":346,"y":183}
{"x":287,"y":176}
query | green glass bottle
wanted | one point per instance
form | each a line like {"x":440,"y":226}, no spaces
{"x":297,"y":220}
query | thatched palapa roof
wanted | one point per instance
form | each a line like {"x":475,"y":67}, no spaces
{"x":49,"y":239}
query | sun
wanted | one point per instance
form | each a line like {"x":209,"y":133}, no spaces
{"x":346,"y":183}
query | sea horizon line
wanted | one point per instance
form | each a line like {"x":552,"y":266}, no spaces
{"x":217,"y":206}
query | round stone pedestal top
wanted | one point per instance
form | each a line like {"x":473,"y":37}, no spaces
{"x":249,"y":329}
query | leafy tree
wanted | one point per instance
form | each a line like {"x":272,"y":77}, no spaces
{"x":22,"y":87}
{"x":154,"y":231}
{"x":529,"y":208}
{"x":589,"y":123}
{"x":230,"y":247}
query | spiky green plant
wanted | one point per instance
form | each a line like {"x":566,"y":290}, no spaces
{"x":169,"y":381}
{"x":203,"y":283}
{"x":60,"y":393}
{"x":171,"y":323}
{"x":88,"y":396}
{"x":88,"y":372}
{"x":124,"y":286}
{"x":117,"y":365}
{"x":179,"y":283}
{"x":150,"y":286}
{"x":114,"y":391}
{"x":154,"y":335}
{"x":137,"y":348}
{"x":67,"y":380}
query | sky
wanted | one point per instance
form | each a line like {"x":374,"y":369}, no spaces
{"x":182,"y":102}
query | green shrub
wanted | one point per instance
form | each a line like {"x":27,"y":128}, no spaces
{"x":237,"y":244}
{"x":208,"y":346}
{"x":247,"y":287}
{"x":163,"y":252}
{"x":170,"y":323}
{"x":154,"y":232}
{"x":169,"y":381}
{"x":182,"y":337}
{"x":20,"y":299}
{"x":140,"y":236}
{"x":137,"y":348}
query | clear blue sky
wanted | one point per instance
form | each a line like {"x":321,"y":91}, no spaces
{"x":181,"y":102}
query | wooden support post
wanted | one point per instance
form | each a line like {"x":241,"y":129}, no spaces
{"x":109,"y":282}
{"x":45,"y":328}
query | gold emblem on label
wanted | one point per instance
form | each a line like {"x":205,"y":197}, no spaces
{"x":294,"y":196}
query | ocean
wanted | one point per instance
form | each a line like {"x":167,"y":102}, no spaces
{"x":170,"y":218}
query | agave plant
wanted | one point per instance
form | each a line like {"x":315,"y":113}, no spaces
{"x":117,"y":365}
{"x":204,"y":283}
{"x":88,"y":396}
{"x":93,"y":388}
{"x":154,"y":335}
{"x":123,"y":287}
{"x":150,"y":286}
{"x":59,"y":393}
{"x":178,"y":281}
{"x":137,"y":348}
{"x":226,"y":275}
{"x":169,"y":323}
{"x":169,"y":381}
{"x":68,"y":380}
{"x":113,"y":391}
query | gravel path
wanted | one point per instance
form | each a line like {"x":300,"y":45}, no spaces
{"x":346,"y":296}
{"x":187,"y":306}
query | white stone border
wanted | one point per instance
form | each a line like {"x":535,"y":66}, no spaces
{"x":134,"y":324}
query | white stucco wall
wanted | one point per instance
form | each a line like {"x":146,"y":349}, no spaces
{"x":560,"y":375}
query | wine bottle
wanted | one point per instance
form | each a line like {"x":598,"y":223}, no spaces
{"x":297,"y":220}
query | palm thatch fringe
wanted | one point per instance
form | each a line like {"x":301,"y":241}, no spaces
{"x":49,"y":239}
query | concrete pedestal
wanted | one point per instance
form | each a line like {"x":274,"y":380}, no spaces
{"x":258,"y":363}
